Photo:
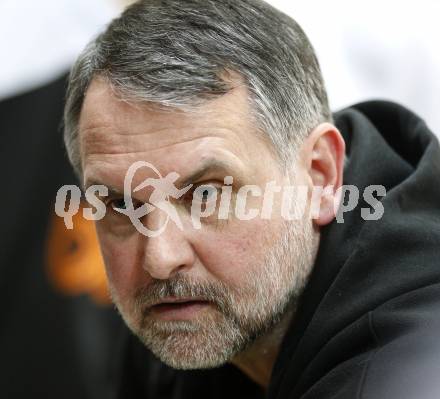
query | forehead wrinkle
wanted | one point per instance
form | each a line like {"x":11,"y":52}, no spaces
{"x":140,"y":117}
{"x":95,"y":130}
{"x":143,"y":120}
{"x":106,"y":144}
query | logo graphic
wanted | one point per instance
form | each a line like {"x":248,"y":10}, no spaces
{"x":232,"y":202}
{"x":164,"y":188}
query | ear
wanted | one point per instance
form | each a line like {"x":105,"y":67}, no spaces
{"x":323,"y":154}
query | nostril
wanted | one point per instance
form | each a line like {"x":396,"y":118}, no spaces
{"x":163,"y":272}
{"x":178,"y":269}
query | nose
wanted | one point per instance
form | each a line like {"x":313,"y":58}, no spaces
{"x":169,"y":252}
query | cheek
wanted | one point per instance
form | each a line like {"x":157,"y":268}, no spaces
{"x":230,"y":254}
{"x":121,"y":263}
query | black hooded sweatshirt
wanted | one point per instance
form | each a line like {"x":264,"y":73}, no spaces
{"x":368,"y":323}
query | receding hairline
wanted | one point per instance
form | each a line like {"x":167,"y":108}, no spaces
{"x":268,"y":48}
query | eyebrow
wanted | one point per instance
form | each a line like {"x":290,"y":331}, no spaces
{"x":208,"y":166}
{"x":112,"y":192}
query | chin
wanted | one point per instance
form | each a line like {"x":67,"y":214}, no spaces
{"x":187,"y":351}
{"x":188,"y":346}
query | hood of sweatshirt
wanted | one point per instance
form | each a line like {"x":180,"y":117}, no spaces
{"x":369,"y":320}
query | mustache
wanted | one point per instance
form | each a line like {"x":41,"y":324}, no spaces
{"x":182,"y":287}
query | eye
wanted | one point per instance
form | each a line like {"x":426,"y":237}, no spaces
{"x":205,"y":193}
{"x":117,"y":203}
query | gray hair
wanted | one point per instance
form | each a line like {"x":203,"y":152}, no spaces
{"x":173,"y":53}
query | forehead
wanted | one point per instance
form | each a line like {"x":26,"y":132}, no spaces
{"x":116,"y":133}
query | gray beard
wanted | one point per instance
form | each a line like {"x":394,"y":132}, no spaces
{"x":239,"y":315}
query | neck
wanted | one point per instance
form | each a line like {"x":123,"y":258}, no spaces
{"x":258,"y":360}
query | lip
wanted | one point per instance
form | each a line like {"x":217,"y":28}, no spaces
{"x":180,"y":300}
{"x":171,"y":309}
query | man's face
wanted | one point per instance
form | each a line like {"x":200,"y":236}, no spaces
{"x":195,"y":297}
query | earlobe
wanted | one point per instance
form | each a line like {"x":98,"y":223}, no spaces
{"x":325,"y":167}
